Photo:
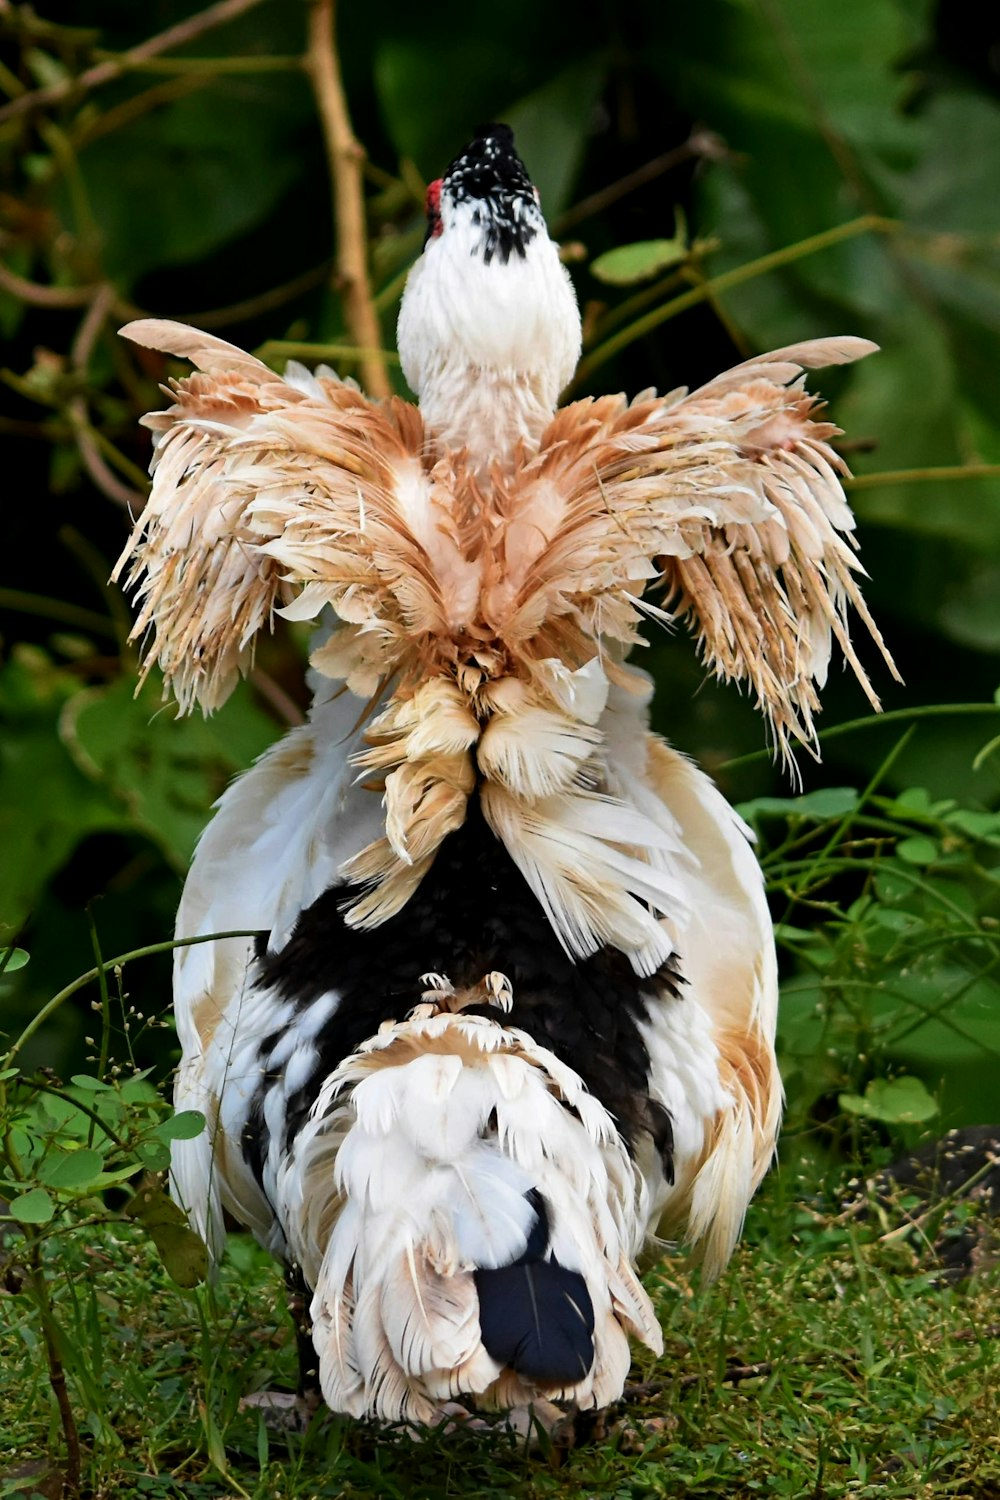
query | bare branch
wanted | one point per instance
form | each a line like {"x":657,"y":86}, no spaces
{"x":700,"y":144}
{"x":104,"y":72}
{"x":346,"y":159}
{"x":251,"y":307}
{"x":93,"y":460}
{"x":275,"y":696}
{"x":44,"y":296}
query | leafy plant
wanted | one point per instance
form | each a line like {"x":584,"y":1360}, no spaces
{"x":67,"y":1150}
{"x":890,"y":928}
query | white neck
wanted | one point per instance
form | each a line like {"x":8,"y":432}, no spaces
{"x":485,"y":411}
{"x":487,"y":345}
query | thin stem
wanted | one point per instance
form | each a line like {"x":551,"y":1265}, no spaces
{"x":37,"y":1085}
{"x":56,"y":609}
{"x":36,"y":295}
{"x":346,"y":157}
{"x":875,"y":721}
{"x":208,"y":66}
{"x":51,"y":1006}
{"x":934,"y":1012}
{"x":393,"y":289}
{"x":274,"y":349}
{"x":701,"y":143}
{"x":111,"y":68}
{"x":102,"y":984}
{"x":773,"y":261}
{"x":92,"y":127}
{"x":275,"y":696}
{"x":250,"y":307}
{"x":86,"y":439}
{"x":922,"y":476}
{"x":124,"y":465}
{"x":93,"y":461}
{"x":844,"y":823}
{"x":57,"y":1373}
{"x":623,"y":311}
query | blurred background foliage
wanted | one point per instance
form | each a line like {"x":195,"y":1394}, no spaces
{"x":783,"y":170}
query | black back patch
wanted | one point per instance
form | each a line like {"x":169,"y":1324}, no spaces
{"x":473,"y":913}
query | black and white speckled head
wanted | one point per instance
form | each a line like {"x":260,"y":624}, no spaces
{"x":488,"y":186}
{"x":489,"y":329}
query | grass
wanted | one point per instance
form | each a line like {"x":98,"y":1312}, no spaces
{"x":873,"y":1380}
{"x":828,"y":1362}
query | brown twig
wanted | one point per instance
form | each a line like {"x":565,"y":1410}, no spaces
{"x":732,"y":1375}
{"x":90,"y":454}
{"x":92,"y":126}
{"x":735,"y":1374}
{"x":700,"y":143}
{"x":105,"y":72}
{"x":57,"y":1373}
{"x":37,"y":295}
{"x":276,"y":698}
{"x":345,"y":158}
{"x":251,"y":307}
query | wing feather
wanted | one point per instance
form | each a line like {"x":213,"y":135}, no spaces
{"x":736,"y":494}
{"x":261,"y":489}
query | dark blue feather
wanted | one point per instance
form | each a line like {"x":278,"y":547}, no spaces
{"x":536,"y":1316}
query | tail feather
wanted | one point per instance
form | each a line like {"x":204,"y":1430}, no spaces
{"x":440,"y":1277}
{"x":537,"y":1318}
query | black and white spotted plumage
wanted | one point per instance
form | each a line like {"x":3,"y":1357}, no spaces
{"x":508,"y":1018}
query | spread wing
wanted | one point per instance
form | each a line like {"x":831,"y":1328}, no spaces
{"x":248,"y":468}
{"x":731,"y":495}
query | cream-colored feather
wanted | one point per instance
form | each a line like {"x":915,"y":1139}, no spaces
{"x":482,"y":567}
{"x":423,"y":1190}
{"x":264,"y":491}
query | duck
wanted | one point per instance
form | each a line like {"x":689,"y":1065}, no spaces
{"x":502,"y":1026}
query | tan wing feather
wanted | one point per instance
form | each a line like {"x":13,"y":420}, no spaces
{"x":736,"y":493}
{"x":243,"y":456}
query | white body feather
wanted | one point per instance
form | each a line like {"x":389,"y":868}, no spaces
{"x":489,"y":365}
{"x":394,"y":1182}
{"x":484,"y":563}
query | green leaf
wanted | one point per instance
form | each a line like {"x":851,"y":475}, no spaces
{"x":12,"y":959}
{"x":153,"y":1155}
{"x":917,"y":850}
{"x":34,"y":1207}
{"x":639,"y":262}
{"x":550,"y":127}
{"x":165,"y":771}
{"x":90,"y":1085}
{"x":71,"y":1169}
{"x":183,"y":1254}
{"x":913,"y":799}
{"x":894,"y":920}
{"x":978,"y":825}
{"x":138,"y":1089}
{"x":184,"y":1126}
{"x":47,"y":806}
{"x":221,"y":160}
{"x":893,"y":1101}
{"x":115,"y":1178}
{"x":475,"y":71}
{"x":825,"y":802}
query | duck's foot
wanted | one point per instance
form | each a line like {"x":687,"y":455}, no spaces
{"x":546,"y":1428}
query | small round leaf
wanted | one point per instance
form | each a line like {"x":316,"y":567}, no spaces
{"x":34,"y":1207}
